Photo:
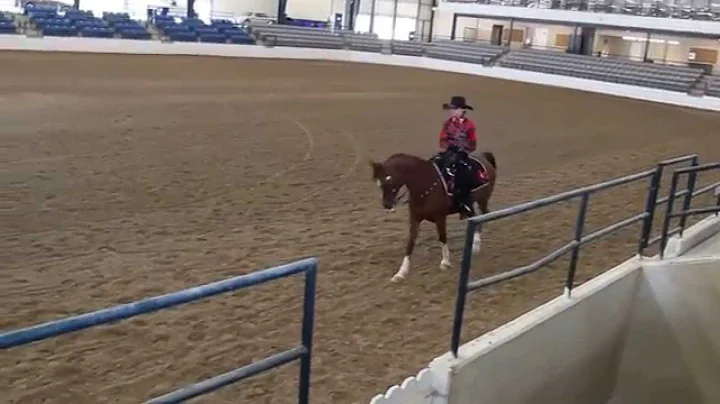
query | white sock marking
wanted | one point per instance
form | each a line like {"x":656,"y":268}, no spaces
{"x":477,"y":242}
{"x":403,"y":271}
{"x":445,"y":263}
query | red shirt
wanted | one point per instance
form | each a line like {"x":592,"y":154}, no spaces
{"x":459,"y":132}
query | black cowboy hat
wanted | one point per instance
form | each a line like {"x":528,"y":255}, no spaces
{"x":457,"y":102}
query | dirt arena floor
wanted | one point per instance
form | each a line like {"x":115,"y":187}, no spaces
{"x":125,"y":177}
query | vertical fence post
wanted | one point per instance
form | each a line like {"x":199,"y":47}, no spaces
{"x":579,"y":226}
{"x":307,"y":335}
{"x":462,"y":287}
{"x":668,"y":214}
{"x":688,"y":199}
{"x":650,"y":206}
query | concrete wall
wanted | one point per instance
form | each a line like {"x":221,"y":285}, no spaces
{"x":672,"y":351}
{"x":93,"y":45}
{"x":566,"y":351}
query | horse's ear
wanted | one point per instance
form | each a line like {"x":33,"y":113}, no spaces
{"x":375,"y":166}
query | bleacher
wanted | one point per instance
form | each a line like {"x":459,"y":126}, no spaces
{"x":83,"y":23}
{"x":407,"y":48}
{"x":7,"y":24}
{"x":666,"y":77}
{"x":195,"y":29}
{"x":713,"y":88}
{"x":323,"y":38}
{"x":312,"y":37}
{"x":126,"y":27}
{"x":296,"y":36}
{"x":468,"y":52}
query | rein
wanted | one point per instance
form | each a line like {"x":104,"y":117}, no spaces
{"x":399,"y":199}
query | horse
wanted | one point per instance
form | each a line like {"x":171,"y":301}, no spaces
{"x":430,"y":197}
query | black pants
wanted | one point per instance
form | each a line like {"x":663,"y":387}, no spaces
{"x":459,"y":163}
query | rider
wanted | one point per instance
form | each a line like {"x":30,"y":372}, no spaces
{"x":458,"y":138}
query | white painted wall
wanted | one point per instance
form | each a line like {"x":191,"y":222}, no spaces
{"x":583,"y":18}
{"x":242,"y":6}
{"x":663,"y":48}
{"x":314,"y":9}
{"x":566,"y":351}
{"x":672,"y":351}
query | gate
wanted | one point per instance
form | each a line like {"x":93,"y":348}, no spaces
{"x":303,"y":353}
{"x":573,"y":247}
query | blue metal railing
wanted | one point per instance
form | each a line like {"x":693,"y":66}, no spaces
{"x":303,"y":352}
{"x":690,"y":193}
{"x":573,"y":247}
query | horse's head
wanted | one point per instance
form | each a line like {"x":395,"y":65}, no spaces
{"x":388,"y":183}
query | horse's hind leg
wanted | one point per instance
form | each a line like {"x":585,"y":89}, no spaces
{"x":441,"y":225}
{"x":412,"y":236}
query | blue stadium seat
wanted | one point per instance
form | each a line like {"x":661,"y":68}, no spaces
{"x":234,"y":30}
{"x":39,"y":11}
{"x":205,"y":30}
{"x":187,"y":36}
{"x":163,"y":25}
{"x":113,"y":18}
{"x":41,"y":23}
{"x":42,"y":14}
{"x":241,"y":40}
{"x":7,"y":27}
{"x":76,"y":15}
{"x":97,"y":32}
{"x":174,"y":29}
{"x":134,"y":33}
{"x":59,"y":30}
{"x":193,"y":22}
{"x":96,"y":22}
{"x":160,"y":20}
{"x":125,"y":24}
{"x":213,"y":38}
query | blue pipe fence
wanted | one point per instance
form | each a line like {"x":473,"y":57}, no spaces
{"x":692,"y":173}
{"x":573,"y":247}
{"x":303,"y":353}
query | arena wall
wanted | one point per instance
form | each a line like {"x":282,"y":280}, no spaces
{"x":92,"y":45}
{"x":564,"y":351}
{"x":643,"y":332}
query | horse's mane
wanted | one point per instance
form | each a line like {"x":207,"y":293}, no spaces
{"x":405,"y":156}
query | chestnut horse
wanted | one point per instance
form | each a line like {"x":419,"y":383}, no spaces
{"x":429,"y":197}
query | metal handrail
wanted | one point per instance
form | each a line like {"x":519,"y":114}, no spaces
{"x":112,"y":314}
{"x":686,"y":211}
{"x":573,"y":247}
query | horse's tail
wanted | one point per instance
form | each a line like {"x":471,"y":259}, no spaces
{"x":491,"y":158}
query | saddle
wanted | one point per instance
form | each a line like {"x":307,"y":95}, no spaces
{"x":447,"y":174}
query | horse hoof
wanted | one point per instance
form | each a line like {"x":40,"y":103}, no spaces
{"x":445,"y":265}
{"x":397,"y":278}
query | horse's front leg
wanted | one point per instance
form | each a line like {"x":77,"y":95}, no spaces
{"x":477,"y":237}
{"x":412,"y":236}
{"x":441,"y":225}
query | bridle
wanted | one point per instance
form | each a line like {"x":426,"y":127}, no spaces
{"x":398,"y":198}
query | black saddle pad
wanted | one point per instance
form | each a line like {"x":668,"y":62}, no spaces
{"x":478,"y":170}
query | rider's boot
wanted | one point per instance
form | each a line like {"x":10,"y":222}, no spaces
{"x":466,"y":210}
